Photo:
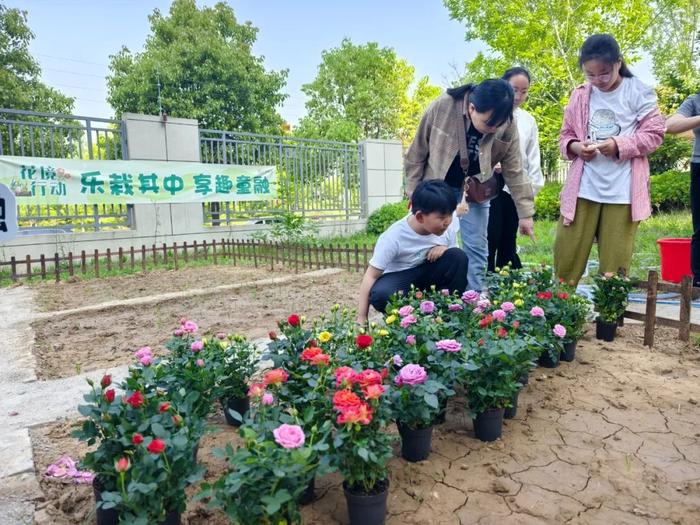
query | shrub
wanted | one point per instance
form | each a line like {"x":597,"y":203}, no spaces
{"x":385,"y":216}
{"x":670,"y":191}
{"x":547,"y":202}
{"x":673,"y":154}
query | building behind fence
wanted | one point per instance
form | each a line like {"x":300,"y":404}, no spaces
{"x":334,"y":183}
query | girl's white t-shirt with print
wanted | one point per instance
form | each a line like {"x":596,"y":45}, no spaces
{"x":612,"y":114}
{"x":400,"y":247}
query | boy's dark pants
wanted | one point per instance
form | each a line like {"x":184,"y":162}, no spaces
{"x":449,"y":271}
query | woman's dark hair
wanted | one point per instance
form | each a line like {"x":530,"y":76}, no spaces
{"x":604,"y":48}
{"x":489,"y":95}
{"x":515,"y":71}
{"x":433,"y":196}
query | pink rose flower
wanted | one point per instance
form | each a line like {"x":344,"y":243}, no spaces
{"x":398,"y":361}
{"x":267,"y":398}
{"x":445,"y":292}
{"x":405,"y":310}
{"x":179,"y":332}
{"x":190,"y":327}
{"x":146,"y":360}
{"x":559,"y":331}
{"x":448,"y":345}
{"x":456,"y":307}
{"x":411,"y":339}
{"x":289,"y":436}
{"x":143,"y":351}
{"x":478,"y":310}
{"x":427,"y":307}
{"x":408,"y":320}
{"x":221,"y":336}
{"x":508,"y":307}
{"x":483,"y":303}
{"x":537,"y":312}
{"x":200,"y":362}
{"x":470,"y":296}
{"x":197,"y":346}
{"x":411,"y":375}
{"x":499,"y":315}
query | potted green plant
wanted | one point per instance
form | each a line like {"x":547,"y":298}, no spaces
{"x":490,"y":379}
{"x":267,"y":475}
{"x":415,"y":404}
{"x":234,"y":362}
{"x":361,"y":448}
{"x":144,"y":458}
{"x":610,"y":293}
{"x":572,"y":314}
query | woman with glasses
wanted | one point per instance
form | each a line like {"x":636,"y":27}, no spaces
{"x":461,"y":137}
{"x":503,"y":216}
{"x":611,"y":125}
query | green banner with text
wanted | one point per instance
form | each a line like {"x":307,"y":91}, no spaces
{"x":36,"y":180}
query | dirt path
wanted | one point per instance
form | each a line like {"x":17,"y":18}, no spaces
{"x":94,"y":341}
{"x":612,"y":438}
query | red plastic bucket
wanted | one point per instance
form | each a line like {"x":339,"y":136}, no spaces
{"x":675,"y":259}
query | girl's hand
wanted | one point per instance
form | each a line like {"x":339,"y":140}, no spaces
{"x":608,"y":148}
{"x":585,"y":151}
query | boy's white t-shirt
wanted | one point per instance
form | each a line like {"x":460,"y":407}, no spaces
{"x":611,"y":114}
{"x":400,"y":247}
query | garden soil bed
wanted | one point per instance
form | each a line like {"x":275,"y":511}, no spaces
{"x":611,"y":438}
{"x":105,"y":339}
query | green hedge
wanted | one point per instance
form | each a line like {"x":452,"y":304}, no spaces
{"x":547,"y":202}
{"x":670,"y":191}
{"x":385,"y":216}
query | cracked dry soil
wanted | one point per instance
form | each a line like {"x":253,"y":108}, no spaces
{"x":612,"y":438}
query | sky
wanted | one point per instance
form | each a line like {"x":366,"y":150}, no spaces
{"x":74,"y":39}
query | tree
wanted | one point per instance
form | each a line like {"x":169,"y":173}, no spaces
{"x":545,"y":36}
{"x":362,"y":91}
{"x":20,"y":87}
{"x":423,"y":94}
{"x":203,"y":61}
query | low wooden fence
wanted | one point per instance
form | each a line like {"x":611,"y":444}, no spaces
{"x":650,"y":319}
{"x":231,"y":251}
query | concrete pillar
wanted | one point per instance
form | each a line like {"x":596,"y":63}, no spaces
{"x":382,"y":173}
{"x":149,"y":137}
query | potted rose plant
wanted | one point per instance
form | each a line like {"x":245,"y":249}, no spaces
{"x":572,"y":314}
{"x":361,"y":448}
{"x":144,"y":459}
{"x":416,"y":407}
{"x":234,"y":360}
{"x":490,"y":378}
{"x":610,"y":292}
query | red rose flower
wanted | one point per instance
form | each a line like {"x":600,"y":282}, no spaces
{"x":106,"y":380}
{"x":177,"y":419}
{"x":309,"y":353}
{"x":502,"y":332}
{"x":481,"y":342}
{"x":272,"y":335}
{"x":136,"y":399}
{"x":312,"y":342}
{"x":373,"y":391}
{"x":516,"y":324}
{"x":109,"y":395}
{"x":363,"y":341}
{"x":544,"y":295}
{"x":419,"y":295}
{"x":345,"y":399}
{"x":122,"y":465}
{"x":137,"y":439}
{"x":156,"y":446}
{"x":164,"y":407}
{"x":385,"y":373}
{"x":361,"y":414}
{"x":344,"y":376}
{"x":563,"y":295}
{"x":294,"y":320}
{"x":486,"y":321}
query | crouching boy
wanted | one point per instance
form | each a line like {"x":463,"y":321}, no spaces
{"x":420,"y":250}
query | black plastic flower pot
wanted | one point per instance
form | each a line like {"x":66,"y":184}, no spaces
{"x":307,"y":496}
{"x":367,"y":509}
{"x":621,"y":321}
{"x":605,"y":331}
{"x":239,"y":405}
{"x":103,"y":516}
{"x":511,"y":411}
{"x":172,"y":518}
{"x":488,"y":425}
{"x":546,"y":360}
{"x":524,"y":379}
{"x":415,"y":443}
{"x":569,"y":351}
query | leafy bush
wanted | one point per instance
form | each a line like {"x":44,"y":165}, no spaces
{"x":670,"y":191}
{"x":673,"y":154}
{"x":547,"y":202}
{"x":289,"y":228}
{"x":385,"y":216}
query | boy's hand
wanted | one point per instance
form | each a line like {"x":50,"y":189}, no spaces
{"x":435,"y":253}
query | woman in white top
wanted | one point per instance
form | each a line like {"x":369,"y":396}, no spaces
{"x":503,"y":219}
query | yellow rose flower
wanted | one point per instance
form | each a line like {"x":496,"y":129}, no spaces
{"x":518,"y":302}
{"x":324,"y":337}
{"x":390,"y":319}
{"x":383,"y":332}
{"x":503,"y":273}
{"x":223,"y":344}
